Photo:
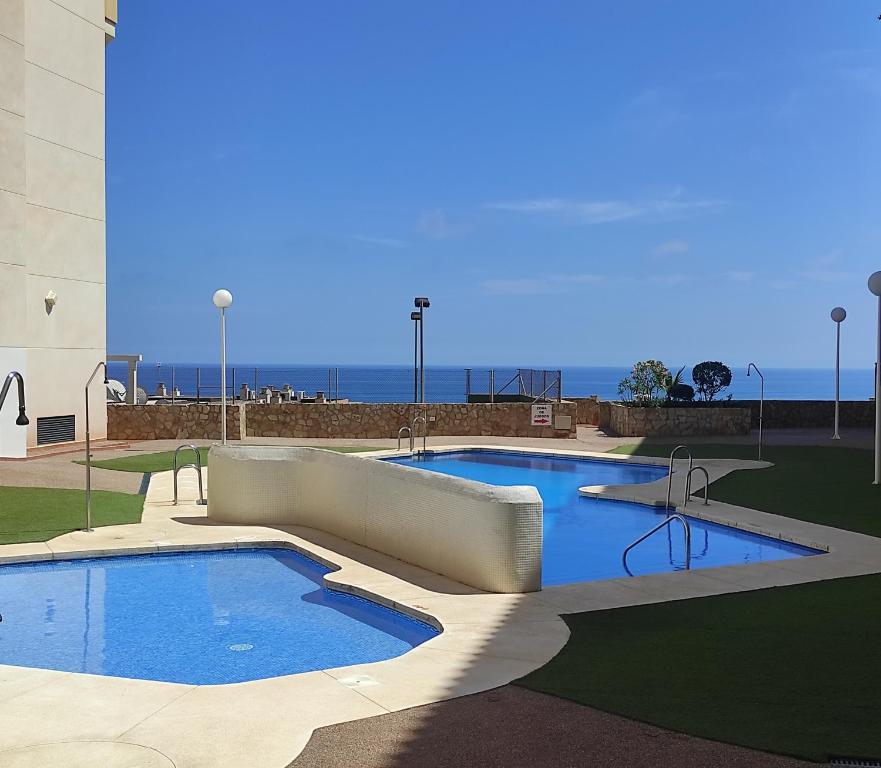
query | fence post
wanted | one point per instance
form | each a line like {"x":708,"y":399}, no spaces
{"x":492,"y":386}
{"x":198,"y":383}
{"x":172,"y":384}
{"x":467,"y":385}
{"x":256,"y":391}
{"x":560,"y":386}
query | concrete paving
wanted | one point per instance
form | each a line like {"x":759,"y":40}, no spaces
{"x":512,"y":727}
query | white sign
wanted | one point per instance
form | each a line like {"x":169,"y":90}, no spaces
{"x":541,"y":414}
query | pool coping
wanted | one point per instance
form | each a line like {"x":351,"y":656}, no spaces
{"x":487,"y":639}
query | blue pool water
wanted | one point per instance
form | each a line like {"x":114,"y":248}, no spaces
{"x":200,"y":618}
{"x":584,"y":537}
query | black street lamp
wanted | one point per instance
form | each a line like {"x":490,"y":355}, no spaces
{"x":421,"y":303}
{"x":415,"y":317}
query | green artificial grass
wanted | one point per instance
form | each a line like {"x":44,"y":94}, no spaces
{"x":830,"y":486}
{"x":162,"y":462}
{"x":793,"y":670}
{"x":40,"y":514}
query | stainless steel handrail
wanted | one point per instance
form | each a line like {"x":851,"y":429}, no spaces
{"x":666,"y":521}
{"x":706,"y":485}
{"x":424,"y":432}
{"x":88,"y":527}
{"x":197,"y":466}
{"x":409,"y":432}
{"x":670,"y":473}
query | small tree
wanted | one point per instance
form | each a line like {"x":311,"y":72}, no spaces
{"x":710,"y":378}
{"x":646,"y":384}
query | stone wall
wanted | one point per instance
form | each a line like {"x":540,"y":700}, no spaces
{"x":628,"y":421}
{"x":813,"y":414}
{"x":587,"y":409}
{"x":338,"y":420}
{"x":172,"y":422}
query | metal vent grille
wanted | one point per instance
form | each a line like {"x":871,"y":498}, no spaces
{"x":855,"y":762}
{"x":56,"y":429}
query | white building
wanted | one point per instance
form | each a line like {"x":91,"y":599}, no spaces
{"x":52,"y":233}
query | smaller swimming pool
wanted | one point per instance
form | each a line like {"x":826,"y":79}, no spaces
{"x":584,"y":538}
{"x":202,"y":618}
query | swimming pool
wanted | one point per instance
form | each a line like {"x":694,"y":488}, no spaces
{"x":200,"y":618}
{"x":583,"y":538}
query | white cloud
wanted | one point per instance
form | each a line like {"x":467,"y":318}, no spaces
{"x":670,"y":247}
{"x":387,"y":242}
{"x":541,"y":284}
{"x":739,"y":276}
{"x":826,"y":269}
{"x":608,"y":211}
{"x":436,"y":224}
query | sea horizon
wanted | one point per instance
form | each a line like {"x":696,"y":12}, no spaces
{"x":448,"y":383}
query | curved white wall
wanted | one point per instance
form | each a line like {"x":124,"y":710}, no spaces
{"x":485,"y":536}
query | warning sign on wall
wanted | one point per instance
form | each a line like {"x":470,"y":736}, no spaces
{"x":541,"y":414}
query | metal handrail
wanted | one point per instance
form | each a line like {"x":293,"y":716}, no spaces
{"x":670,"y":472}
{"x":424,"y":432}
{"x":409,"y":433}
{"x":98,"y":367}
{"x":197,"y":466}
{"x":706,"y":485}
{"x":666,"y":521}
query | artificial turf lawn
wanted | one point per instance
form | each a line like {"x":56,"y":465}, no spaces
{"x":40,"y":514}
{"x":162,"y":462}
{"x":829,"y":486}
{"x":793,"y":670}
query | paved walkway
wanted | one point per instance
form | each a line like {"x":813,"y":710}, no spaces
{"x":511,"y":727}
{"x":61,"y":472}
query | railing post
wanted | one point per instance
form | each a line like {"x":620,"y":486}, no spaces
{"x":198,"y":384}
{"x":467,"y":385}
{"x":560,"y":385}
{"x":492,"y":385}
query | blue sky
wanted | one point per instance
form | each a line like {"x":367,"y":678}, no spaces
{"x":571,"y":183}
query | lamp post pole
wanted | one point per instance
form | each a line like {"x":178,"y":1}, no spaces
{"x":222,"y":300}
{"x":754,"y":367}
{"x":422,"y":303}
{"x":875,"y":288}
{"x":415,"y":317}
{"x":838,"y":314}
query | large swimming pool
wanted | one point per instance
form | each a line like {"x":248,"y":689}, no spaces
{"x":199,"y":618}
{"x":583,"y":538}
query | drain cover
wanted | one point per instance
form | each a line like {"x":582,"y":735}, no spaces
{"x":240,"y":647}
{"x":855,"y":762}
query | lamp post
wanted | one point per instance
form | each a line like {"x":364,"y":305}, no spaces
{"x":422,"y":303}
{"x":222,"y":300}
{"x":875,"y":288}
{"x":415,"y":317}
{"x":761,"y":401}
{"x":838,"y":314}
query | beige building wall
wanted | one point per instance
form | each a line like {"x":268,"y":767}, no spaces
{"x":52,"y":231}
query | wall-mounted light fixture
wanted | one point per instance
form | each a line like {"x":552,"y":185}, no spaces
{"x":51,"y":299}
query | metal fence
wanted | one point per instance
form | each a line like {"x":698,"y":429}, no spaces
{"x":498,"y":384}
{"x":369,"y":384}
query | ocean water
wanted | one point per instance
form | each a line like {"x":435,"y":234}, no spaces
{"x":447,"y":384}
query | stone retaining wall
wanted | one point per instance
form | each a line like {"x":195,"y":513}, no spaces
{"x":335,"y":420}
{"x":588,"y":409}
{"x":172,"y":422}
{"x":628,"y":421}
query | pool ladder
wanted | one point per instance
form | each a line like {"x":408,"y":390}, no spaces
{"x":197,"y":465}
{"x":410,"y":431}
{"x":671,"y":516}
{"x":686,"y":529}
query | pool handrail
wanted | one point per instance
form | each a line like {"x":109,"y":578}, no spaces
{"x":197,"y":466}
{"x":424,"y":421}
{"x":670,"y":472}
{"x":409,"y":432}
{"x":668,"y":520}
{"x":706,"y":485}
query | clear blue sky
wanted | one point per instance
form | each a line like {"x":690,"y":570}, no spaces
{"x":572,"y":183}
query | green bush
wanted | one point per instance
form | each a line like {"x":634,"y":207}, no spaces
{"x":710,"y":378}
